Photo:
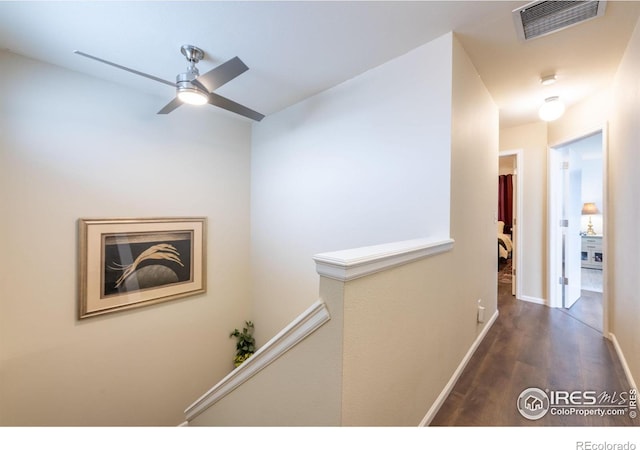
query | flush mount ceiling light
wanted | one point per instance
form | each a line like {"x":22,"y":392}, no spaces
{"x":540,"y":18}
{"x":552,"y":109}
{"x":548,"y":80}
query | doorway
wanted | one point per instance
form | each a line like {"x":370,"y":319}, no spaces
{"x":510,"y":206}
{"x":576,"y":228}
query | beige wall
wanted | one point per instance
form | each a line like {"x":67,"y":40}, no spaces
{"x":407,"y":329}
{"x":71,"y":147}
{"x":624,"y":191}
{"x":474,"y":188}
{"x":506,"y":165}
{"x":532,"y":139}
{"x":582,"y":119}
{"x":400,"y":348}
{"x":301,"y":388}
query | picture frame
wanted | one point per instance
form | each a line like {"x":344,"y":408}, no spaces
{"x":130,"y":263}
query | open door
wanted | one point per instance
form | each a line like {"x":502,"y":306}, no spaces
{"x":572,"y":238}
{"x":575,"y":177}
{"x":565,"y":215}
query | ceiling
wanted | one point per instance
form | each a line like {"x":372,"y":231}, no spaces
{"x":297,"y":49}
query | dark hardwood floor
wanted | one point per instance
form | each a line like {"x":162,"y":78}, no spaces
{"x":588,"y":309}
{"x":532,"y":345}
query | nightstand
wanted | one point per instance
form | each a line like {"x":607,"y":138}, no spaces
{"x":592,"y":254}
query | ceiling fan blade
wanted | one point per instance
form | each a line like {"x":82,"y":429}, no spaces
{"x":142,"y":74}
{"x":230,"y":105}
{"x":173,"y":104}
{"x":222,"y":74}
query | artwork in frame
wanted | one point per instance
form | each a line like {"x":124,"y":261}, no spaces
{"x":129,"y":263}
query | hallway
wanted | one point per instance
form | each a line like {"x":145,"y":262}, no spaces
{"x":532,"y":345}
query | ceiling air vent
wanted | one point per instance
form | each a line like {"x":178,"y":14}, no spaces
{"x":541,"y":18}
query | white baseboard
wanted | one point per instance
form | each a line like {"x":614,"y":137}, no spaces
{"x":539,"y":301}
{"x":454,"y":378}
{"x":623,"y":361}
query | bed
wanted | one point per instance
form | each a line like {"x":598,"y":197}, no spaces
{"x":505,"y":245}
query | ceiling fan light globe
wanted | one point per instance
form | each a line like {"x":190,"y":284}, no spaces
{"x":551,"y":110}
{"x":192,"y":97}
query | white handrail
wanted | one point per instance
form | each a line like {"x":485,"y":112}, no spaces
{"x":301,"y":327}
{"x":346,"y":265}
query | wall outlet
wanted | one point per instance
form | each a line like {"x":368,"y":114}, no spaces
{"x":480,"y":311}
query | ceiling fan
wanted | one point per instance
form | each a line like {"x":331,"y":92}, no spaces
{"x":196,"y":89}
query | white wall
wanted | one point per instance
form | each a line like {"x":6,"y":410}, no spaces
{"x":532,"y":139}
{"x":71,"y":147}
{"x":623,"y":248}
{"x":364,"y":163}
{"x":581,"y":119}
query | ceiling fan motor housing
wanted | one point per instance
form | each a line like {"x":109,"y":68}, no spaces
{"x":188,"y":91}
{"x":184,"y":82}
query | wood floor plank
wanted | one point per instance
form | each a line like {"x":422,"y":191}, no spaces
{"x":588,"y":309}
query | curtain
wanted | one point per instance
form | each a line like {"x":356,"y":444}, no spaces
{"x":505,"y":201}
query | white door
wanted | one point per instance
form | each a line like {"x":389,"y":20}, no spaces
{"x":572,"y":195}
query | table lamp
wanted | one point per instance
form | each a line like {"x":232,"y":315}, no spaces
{"x":589,"y":209}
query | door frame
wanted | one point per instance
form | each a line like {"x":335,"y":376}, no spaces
{"x":553,"y":231}
{"x":517,"y":244}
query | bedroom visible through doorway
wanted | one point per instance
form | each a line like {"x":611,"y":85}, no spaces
{"x":509,"y":209}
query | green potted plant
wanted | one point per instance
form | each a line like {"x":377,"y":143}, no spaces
{"x":245,"y":345}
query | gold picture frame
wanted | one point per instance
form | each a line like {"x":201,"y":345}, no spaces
{"x":130,"y":263}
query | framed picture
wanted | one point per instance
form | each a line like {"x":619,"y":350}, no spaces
{"x":129,"y":263}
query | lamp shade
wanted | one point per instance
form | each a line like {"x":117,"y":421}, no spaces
{"x":589,"y":209}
